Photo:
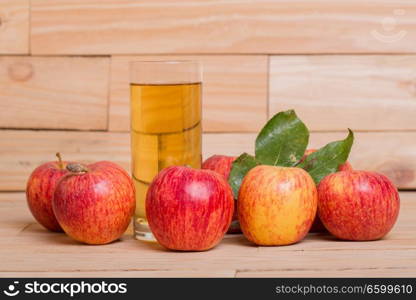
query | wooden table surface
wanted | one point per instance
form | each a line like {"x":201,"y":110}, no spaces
{"x":26,"y":249}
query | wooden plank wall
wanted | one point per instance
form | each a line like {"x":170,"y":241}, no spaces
{"x":339,"y":63}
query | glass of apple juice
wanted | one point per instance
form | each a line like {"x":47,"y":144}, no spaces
{"x":165,"y":117}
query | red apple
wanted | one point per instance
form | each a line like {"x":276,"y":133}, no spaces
{"x":358,"y":205}
{"x":189,"y":209}
{"x":222,"y":165}
{"x":94,"y":204}
{"x":276,"y":205}
{"x":39,"y":192}
{"x":317,"y":225}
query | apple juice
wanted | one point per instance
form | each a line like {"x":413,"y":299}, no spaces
{"x":165,"y":131}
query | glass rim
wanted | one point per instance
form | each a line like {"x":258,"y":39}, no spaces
{"x":165,"y":71}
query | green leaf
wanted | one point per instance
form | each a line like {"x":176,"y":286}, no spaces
{"x":282,"y":141}
{"x":244,"y":163}
{"x":328,"y":158}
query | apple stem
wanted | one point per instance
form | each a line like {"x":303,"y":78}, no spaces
{"x":77,"y":168}
{"x":61,"y":164}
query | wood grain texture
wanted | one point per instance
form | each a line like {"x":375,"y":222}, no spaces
{"x":125,"y":274}
{"x":376,"y":92}
{"x":12,"y":224}
{"x":22,"y":151}
{"x":354,"y":272}
{"x":206,"y":26}
{"x":392,"y":153}
{"x":54,"y":92}
{"x":234,"y":91}
{"x":395,"y":255}
{"x":14,"y":27}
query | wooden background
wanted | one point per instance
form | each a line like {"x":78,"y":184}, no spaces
{"x":339,"y":63}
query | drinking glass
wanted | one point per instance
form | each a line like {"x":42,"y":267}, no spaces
{"x":165,"y":117}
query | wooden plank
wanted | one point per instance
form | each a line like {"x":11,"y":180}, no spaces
{"x":241,"y":26}
{"x":22,"y":151}
{"x":54,"y":92}
{"x":369,"y":272}
{"x":227,"y":144}
{"x":234,"y":91}
{"x":15,"y":214}
{"x":337,"y":92}
{"x":234,"y":253}
{"x":391,"y":153}
{"x":135,"y":255}
{"x":125,"y":274}
{"x":14,"y":27}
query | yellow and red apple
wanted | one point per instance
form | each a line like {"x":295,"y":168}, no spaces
{"x":276,"y":205}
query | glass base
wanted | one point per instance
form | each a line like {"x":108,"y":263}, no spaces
{"x":142,"y":231}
